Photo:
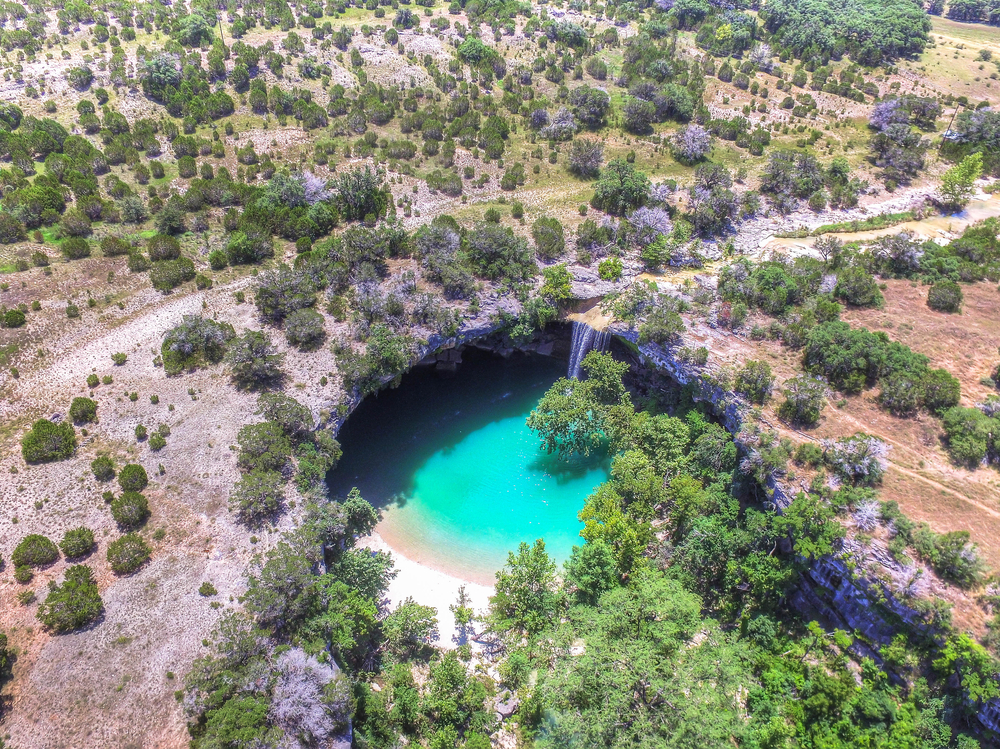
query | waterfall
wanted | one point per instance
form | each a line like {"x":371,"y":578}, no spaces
{"x":585,"y":340}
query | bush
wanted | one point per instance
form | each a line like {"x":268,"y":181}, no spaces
{"x":585,"y":157}
{"x":103,"y":468}
{"x":83,"y":410}
{"x":130,"y":509}
{"x":755,"y":381}
{"x":133,"y":478}
{"x":809,"y":454}
{"x":13,"y":318}
{"x":218,"y":259}
{"x":48,"y":441}
{"x":857,"y":286}
{"x":257,"y":495}
{"x":805,"y":398}
{"x":77,"y":542}
{"x":74,"y":604}
{"x":34,"y":551}
{"x":207,"y":589}
{"x":157,"y":442}
{"x":945,"y":296}
{"x":548,"y":235}
{"x":305,"y":329}
{"x":128,"y":553}
{"x":283,"y":290}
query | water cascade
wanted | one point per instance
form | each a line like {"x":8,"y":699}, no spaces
{"x":585,"y":340}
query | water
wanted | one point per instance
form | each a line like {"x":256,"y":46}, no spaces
{"x":585,"y":340}
{"x":459,"y":477}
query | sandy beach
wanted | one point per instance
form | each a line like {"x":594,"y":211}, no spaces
{"x":429,"y":587}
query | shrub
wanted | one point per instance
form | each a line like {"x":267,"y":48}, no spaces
{"x":133,"y":478}
{"x":83,"y":410}
{"x":103,"y":468}
{"x":73,"y":604}
{"x":77,"y":542}
{"x":130,"y":509}
{"x":945,"y":296}
{"x":755,"y":381}
{"x":157,"y":442}
{"x":805,"y":398}
{"x":128,"y":553}
{"x":610,"y":269}
{"x":13,"y":318}
{"x":207,"y":589}
{"x":217,"y":259}
{"x":282,"y":291}
{"x":496,"y":253}
{"x":305,"y":329}
{"x":548,"y":235}
{"x":585,"y":157}
{"x":34,"y":551}
{"x":663,"y":325}
{"x":48,"y":441}
{"x":257,"y":496}
{"x":119,"y":359}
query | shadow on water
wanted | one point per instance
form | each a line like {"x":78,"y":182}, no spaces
{"x":389,"y":436}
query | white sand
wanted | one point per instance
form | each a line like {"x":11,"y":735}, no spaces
{"x":430,"y":587}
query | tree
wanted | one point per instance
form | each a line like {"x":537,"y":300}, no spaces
{"x":638,"y":115}
{"x":585,"y":157}
{"x":103,"y":468}
{"x":858,"y":287}
{"x":83,"y":410}
{"x":957,"y":184}
{"x":590,"y":105}
{"x":591,"y":569}
{"x":77,"y":542}
{"x":805,"y":398}
{"x":526,"y":592}
{"x":409,"y":629}
{"x":548,"y":235}
{"x":257,"y":496}
{"x":133,"y":478}
{"x":195,"y":342}
{"x":570,"y":418}
{"x":48,"y":441}
{"x":263,"y":446}
{"x":282,"y":291}
{"x":128,"y":553}
{"x":754,"y":380}
{"x":73,"y":604}
{"x":304,"y":328}
{"x":249,"y":245}
{"x":130,"y":509}
{"x":945,"y":296}
{"x":496,"y":253}
{"x":360,"y":194}
{"x":34,"y":550}
{"x":253,"y":361}
{"x":692,"y":143}
{"x":621,"y":189}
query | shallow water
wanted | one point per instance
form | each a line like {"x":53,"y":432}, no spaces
{"x":458,"y":476}
{"x":941,"y":228}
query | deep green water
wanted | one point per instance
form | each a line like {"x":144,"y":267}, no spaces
{"x":458,"y":476}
